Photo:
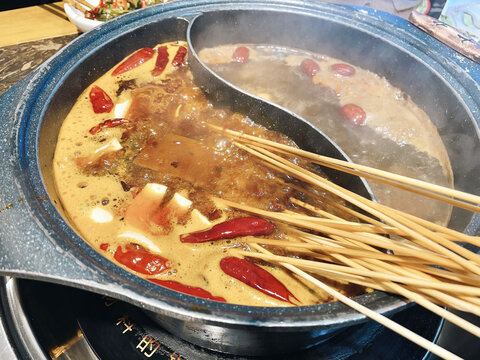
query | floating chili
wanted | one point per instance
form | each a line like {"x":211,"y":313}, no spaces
{"x":161,"y":62}
{"x":186,"y":289}
{"x":107,"y":124}
{"x":241,"y":54}
{"x":140,"y":260}
{"x":104,"y":246}
{"x":343,"y":69}
{"x":179,"y":56}
{"x":256,"y":277}
{"x":309,"y":67}
{"x":353,"y":113}
{"x":101,"y":102}
{"x":230,"y":229}
{"x":134,"y":60}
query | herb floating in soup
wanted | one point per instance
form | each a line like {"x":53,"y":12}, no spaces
{"x":142,"y":177}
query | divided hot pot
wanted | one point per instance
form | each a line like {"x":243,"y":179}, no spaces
{"x":38,"y":242}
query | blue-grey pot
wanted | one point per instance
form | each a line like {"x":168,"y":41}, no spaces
{"x":36,"y":240}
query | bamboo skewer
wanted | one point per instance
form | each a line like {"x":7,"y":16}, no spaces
{"x":76,"y":6}
{"x":457,"y":303}
{"x":463,"y":303}
{"x":436,"y":295}
{"x":449,"y":234}
{"x":421,"y":300}
{"x":326,"y":161}
{"x":339,"y":269}
{"x":431,"y":187}
{"x":440,"y":273}
{"x":348,"y":251}
{"x":363,"y":237}
{"x":418,"y":233}
{"x":329,"y":249}
{"x":80,"y":4}
{"x":326,"y":248}
{"x":458,"y":236}
{"x":377,"y":227}
{"x":410,"y":188}
{"x":443,"y":296}
{"x":388,"y":286}
{"x":410,"y":335}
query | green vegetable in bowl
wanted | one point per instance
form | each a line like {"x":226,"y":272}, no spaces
{"x":108,"y":9}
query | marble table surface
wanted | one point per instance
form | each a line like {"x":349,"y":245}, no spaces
{"x":16,"y":61}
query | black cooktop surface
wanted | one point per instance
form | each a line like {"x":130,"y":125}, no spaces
{"x":117,"y":330}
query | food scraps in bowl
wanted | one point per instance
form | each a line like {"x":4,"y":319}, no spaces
{"x":76,"y":14}
{"x":87,"y":14}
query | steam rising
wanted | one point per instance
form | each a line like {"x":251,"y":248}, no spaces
{"x":347,"y":42}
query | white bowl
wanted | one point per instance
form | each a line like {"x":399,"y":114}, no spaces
{"x":77,"y":18}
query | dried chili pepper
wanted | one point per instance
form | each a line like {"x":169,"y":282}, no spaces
{"x":101,"y":102}
{"x":107,"y":124}
{"x":186,"y":289}
{"x":140,"y":260}
{"x":104,"y":246}
{"x":241,"y":55}
{"x":162,"y":61}
{"x":134,"y":60}
{"x":179,"y":56}
{"x":256,"y":277}
{"x":230,"y":229}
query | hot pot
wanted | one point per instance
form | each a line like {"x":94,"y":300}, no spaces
{"x":37,"y":242}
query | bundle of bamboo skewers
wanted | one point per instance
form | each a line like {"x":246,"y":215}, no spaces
{"x":389,"y":250}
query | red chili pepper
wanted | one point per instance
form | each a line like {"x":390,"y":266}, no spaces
{"x":140,"y":260}
{"x":309,"y":67}
{"x":230,"y":229}
{"x":162,"y":61}
{"x":256,"y":277}
{"x":186,"y":289}
{"x":104,"y":246}
{"x":343,"y":69}
{"x":241,"y":54}
{"x":101,"y":102}
{"x":107,"y":124}
{"x":353,"y":113}
{"x":179,"y":56}
{"x":134,"y":60}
